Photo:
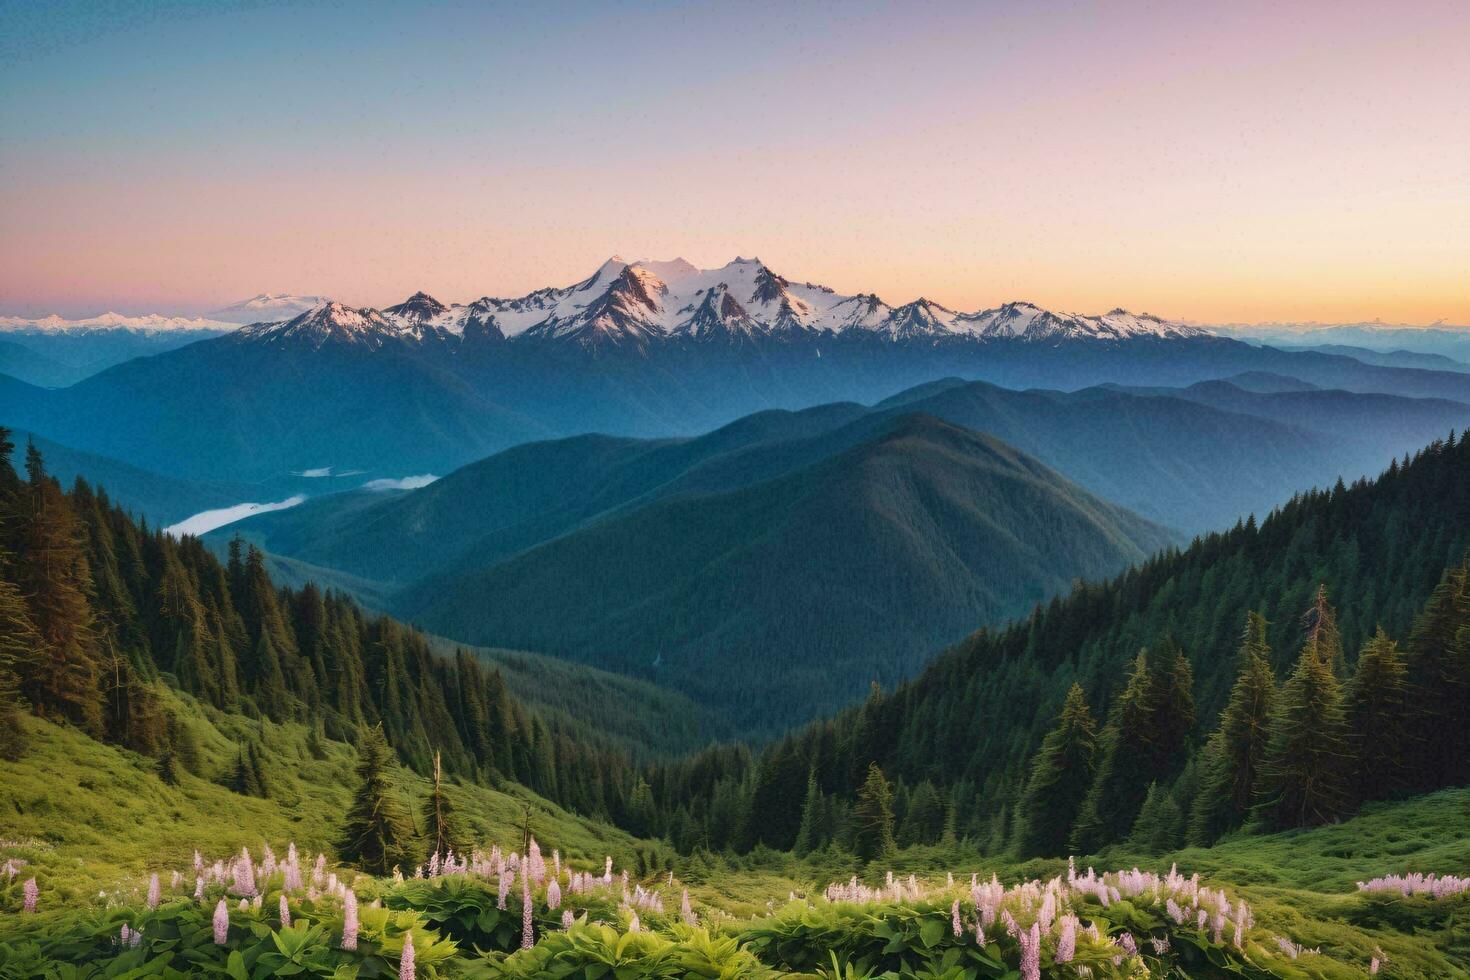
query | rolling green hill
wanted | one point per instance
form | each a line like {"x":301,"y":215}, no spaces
{"x":789,"y":596}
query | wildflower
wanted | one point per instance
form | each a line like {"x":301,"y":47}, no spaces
{"x":198,"y":889}
{"x":285,"y":912}
{"x":633,"y":924}
{"x":31,"y":894}
{"x":567,"y":919}
{"x":537,"y":865}
{"x":1129,"y":944}
{"x":1067,"y":940}
{"x":1373,"y":967}
{"x":155,"y":892}
{"x":125,"y":936}
{"x":174,"y":880}
{"x":349,"y":920}
{"x":221,"y":923}
{"x":1031,"y":953}
{"x":405,"y":960}
{"x":954,"y":918}
{"x":528,"y":938}
{"x":607,"y":871}
{"x":686,"y":911}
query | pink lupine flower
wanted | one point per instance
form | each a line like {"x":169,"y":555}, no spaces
{"x":607,"y":871}
{"x":536,"y":866}
{"x":633,"y":923}
{"x":174,"y":880}
{"x":221,"y":923}
{"x":553,"y":895}
{"x":349,"y":920}
{"x":506,"y":878}
{"x":528,"y":937}
{"x":1129,"y":944}
{"x":686,"y":911}
{"x":434,"y":865}
{"x":405,"y":961}
{"x":198,"y":889}
{"x":1031,"y":953}
{"x":954,"y":918}
{"x":979,"y":932}
{"x":567,"y":919}
{"x":1067,"y":940}
{"x":198,"y":863}
{"x":155,"y":892}
{"x":125,"y":937}
{"x":556,"y":861}
{"x":31,"y":894}
{"x":285,"y":912}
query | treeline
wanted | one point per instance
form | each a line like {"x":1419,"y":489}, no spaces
{"x":97,"y":610}
{"x":958,"y":743}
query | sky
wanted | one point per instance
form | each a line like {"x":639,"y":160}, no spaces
{"x":1218,"y":162}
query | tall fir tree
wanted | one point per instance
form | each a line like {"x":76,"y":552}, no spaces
{"x":808,"y":835}
{"x":378,"y":835}
{"x":873,"y":817}
{"x":1376,"y":705}
{"x":52,"y":572}
{"x":1232,"y":757}
{"x":1145,"y":741}
{"x":1439,"y":677}
{"x":1304,"y":777}
{"x":1061,"y":775}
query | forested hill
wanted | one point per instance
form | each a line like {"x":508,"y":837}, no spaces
{"x":965,"y":729}
{"x":97,"y":611}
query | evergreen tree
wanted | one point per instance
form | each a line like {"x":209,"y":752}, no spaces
{"x":1439,"y":675}
{"x":1376,"y":708}
{"x":19,"y":642}
{"x":1061,"y":775}
{"x":1232,"y":758}
{"x":809,"y":834}
{"x":377,"y":836}
{"x":441,"y":830}
{"x":1160,"y":824}
{"x":873,"y":817}
{"x":923,"y":819}
{"x":1303,"y":779}
{"x":53,"y":574}
{"x":1146,"y":740}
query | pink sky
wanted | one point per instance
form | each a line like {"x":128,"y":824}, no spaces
{"x":1236,"y":164}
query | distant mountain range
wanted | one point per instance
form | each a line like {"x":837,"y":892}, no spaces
{"x":642,"y":349}
{"x":53,"y":352}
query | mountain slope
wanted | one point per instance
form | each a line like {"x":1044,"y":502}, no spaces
{"x":846,"y":571}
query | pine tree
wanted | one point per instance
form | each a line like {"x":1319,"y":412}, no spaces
{"x":19,"y":643}
{"x":1232,"y":758}
{"x":441,"y":828}
{"x":377,"y":836}
{"x":923,"y":819}
{"x":1160,"y":823}
{"x":1439,"y":676}
{"x":1376,"y":707}
{"x":1061,"y":775}
{"x":1124,"y":766}
{"x":1303,"y":779}
{"x":873,"y":817}
{"x":808,"y":835}
{"x":53,"y":574}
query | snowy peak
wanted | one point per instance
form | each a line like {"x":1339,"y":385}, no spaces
{"x":330,"y":323}
{"x":921,"y":318}
{"x":268,"y":307}
{"x":418,"y":308}
{"x":720,"y":315}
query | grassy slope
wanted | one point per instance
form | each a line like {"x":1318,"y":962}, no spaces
{"x":93,"y":817}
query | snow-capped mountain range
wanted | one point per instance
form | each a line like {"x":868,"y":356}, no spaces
{"x":627,"y":305}
{"x":152,"y":323}
{"x":267,"y":306}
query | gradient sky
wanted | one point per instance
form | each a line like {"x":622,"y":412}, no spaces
{"x":1218,"y":162}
